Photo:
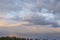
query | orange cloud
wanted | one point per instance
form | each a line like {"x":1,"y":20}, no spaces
{"x":41,"y":29}
{"x":7,"y":24}
{"x":31,"y":29}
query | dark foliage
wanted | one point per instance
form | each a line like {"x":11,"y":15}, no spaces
{"x":15,"y":38}
{"x":11,"y":38}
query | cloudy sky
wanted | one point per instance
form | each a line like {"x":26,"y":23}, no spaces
{"x":30,"y":17}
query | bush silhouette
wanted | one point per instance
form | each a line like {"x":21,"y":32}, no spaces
{"x":15,"y":38}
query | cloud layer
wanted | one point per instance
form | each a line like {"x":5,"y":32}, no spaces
{"x":40,"y":12}
{"x":33,"y":16}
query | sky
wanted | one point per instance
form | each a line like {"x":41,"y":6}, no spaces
{"x":30,"y":18}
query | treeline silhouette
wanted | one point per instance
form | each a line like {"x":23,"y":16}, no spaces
{"x":15,"y":38}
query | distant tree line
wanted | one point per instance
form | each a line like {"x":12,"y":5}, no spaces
{"x":15,"y":38}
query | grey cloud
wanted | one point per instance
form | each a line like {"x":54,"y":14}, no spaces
{"x":38,"y":20}
{"x":35,"y":7}
{"x":9,"y":5}
{"x":44,"y":17}
{"x":17,"y":5}
{"x":55,"y":25}
{"x":48,"y":4}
